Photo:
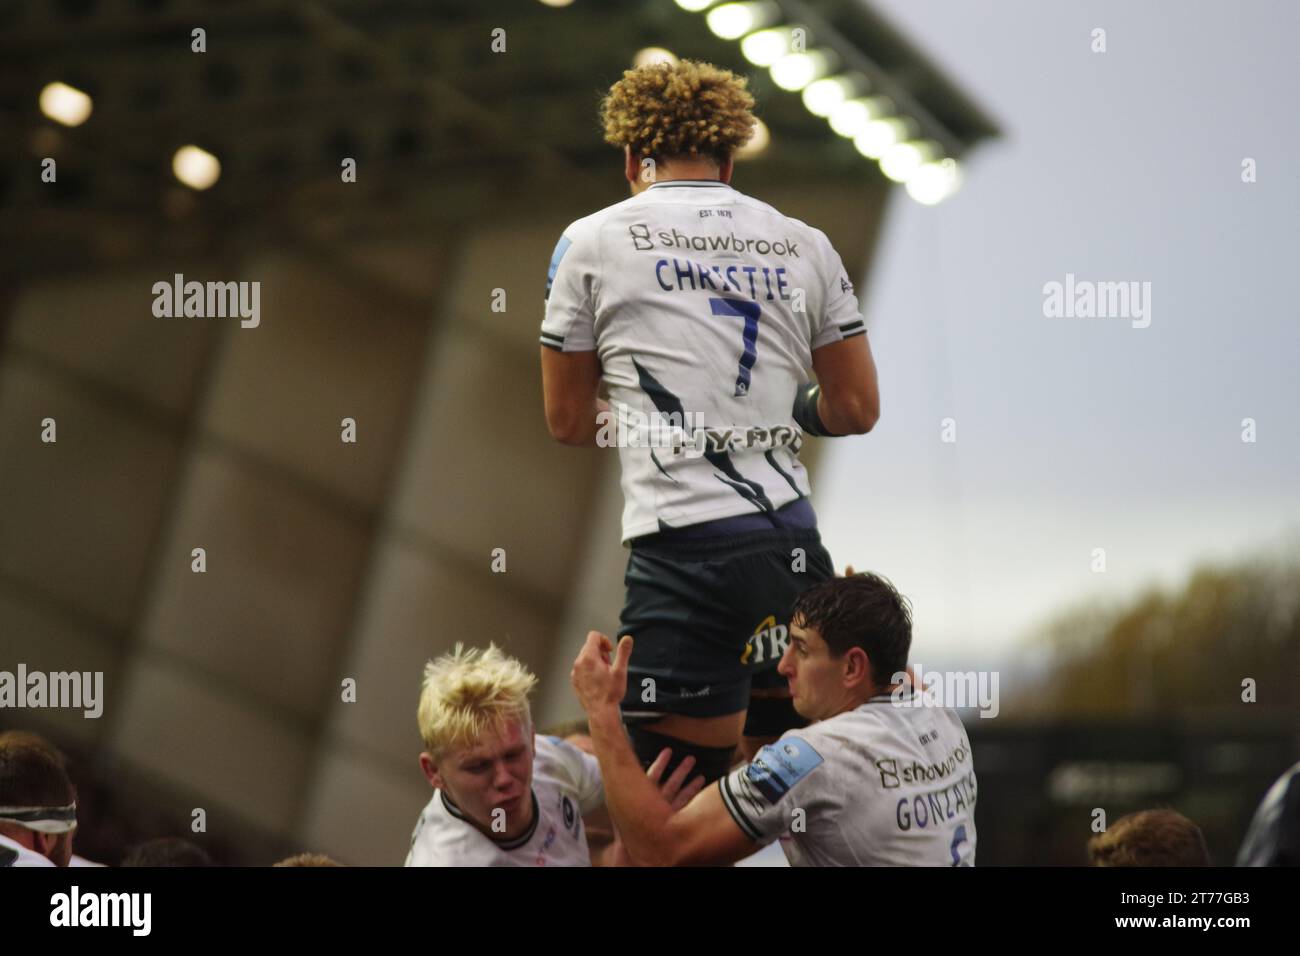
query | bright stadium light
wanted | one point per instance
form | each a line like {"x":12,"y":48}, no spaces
{"x":758,"y":144}
{"x":820,"y":97}
{"x":880,"y":128}
{"x":901,"y":161}
{"x":765,"y":47}
{"x":935,"y":182}
{"x":195,"y":167}
{"x":653,"y":54}
{"x":65,"y":104}
{"x":794,"y":71}
{"x":731,"y":21}
{"x":881,"y":134}
{"x":850,"y":118}
{"x":556,"y":3}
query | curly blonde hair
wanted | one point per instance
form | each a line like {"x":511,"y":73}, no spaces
{"x":684,"y":109}
{"x":469,"y":691}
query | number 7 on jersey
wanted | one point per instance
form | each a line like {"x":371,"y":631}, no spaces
{"x":749,"y":311}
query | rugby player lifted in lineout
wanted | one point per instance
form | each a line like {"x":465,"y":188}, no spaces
{"x":708,"y":307}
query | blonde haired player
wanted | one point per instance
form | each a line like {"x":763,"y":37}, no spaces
{"x":504,"y":797}
{"x":704,"y":309}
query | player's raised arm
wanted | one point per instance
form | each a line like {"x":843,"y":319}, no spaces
{"x":650,"y":828}
{"x":847,"y":395}
{"x":570,"y":361}
{"x":570,"y":383}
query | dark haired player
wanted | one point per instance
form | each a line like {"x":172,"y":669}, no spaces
{"x":881,"y":777}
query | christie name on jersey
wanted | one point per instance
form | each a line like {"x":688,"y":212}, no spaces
{"x":758,"y":282}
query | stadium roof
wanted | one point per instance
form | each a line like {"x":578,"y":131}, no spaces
{"x":442,"y":127}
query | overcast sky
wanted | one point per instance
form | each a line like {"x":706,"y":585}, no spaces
{"x":1073,"y":433}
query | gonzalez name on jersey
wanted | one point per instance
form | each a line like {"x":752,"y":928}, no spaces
{"x":705,"y":306}
{"x":890,"y":783}
{"x":566,"y":784}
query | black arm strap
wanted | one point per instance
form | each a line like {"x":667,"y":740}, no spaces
{"x":805,"y":411}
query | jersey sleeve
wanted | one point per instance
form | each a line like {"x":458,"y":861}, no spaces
{"x":841,"y":318}
{"x":573,"y":276}
{"x":765,"y":796}
{"x":580,"y":771}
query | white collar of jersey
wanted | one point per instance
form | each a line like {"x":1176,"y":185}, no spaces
{"x":512,"y":844}
{"x":691,"y":183}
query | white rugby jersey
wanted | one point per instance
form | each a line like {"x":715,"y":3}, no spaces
{"x":13,"y":853}
{"x":566,"y":784}
{"x":887,"y":784}
{"x":705,"y":306}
